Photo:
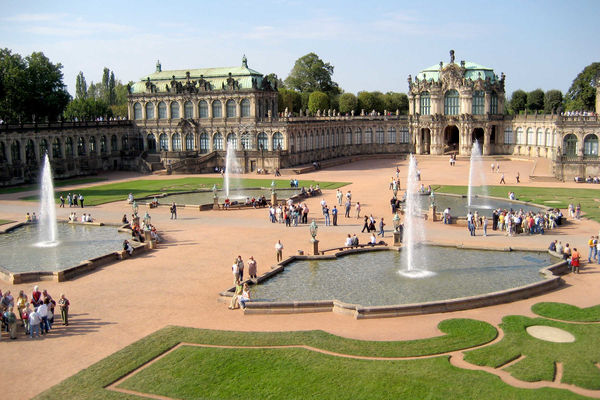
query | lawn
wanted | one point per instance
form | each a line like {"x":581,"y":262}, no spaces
{"x":58,"y":183}
{"x":550,"y":197}
{"x":142,"y":187}
{"x":4,"y":221}
{"x":191,"y":372}
{"x":567,"y":312}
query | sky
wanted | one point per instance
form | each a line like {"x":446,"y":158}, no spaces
{"x":372,"y":45}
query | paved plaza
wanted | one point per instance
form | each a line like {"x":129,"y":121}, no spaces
{"x":179,"y":283}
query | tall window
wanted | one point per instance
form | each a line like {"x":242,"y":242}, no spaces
{"x":392,"y":135}
{"x":103,"y":144}
{"x":358,"y":136}
{"x":478,"y":102}
{"x":203,"y":109}
{"x":231,"y":111}
{"x":114,"y":146}
{"x":262,"y":141}
{"x":425,"y":103}
{"x":15,"y":151}
{"x":69,"y":147}
{"x":520,"y":136}
{"x":44,"y":148}
{"x":348,"y":136}
{"x":81,"y":146}
{"x":218,"y":141}
{"x":540,"y":137}
{"x":530,"y":137}
{"x":246,"y":141}
{"x":189,"y":141}
{"x":494,"y":103}
{"x":245,"y":108}
{"x":232,"y":140}
{"x":124,"y":142}
{"x":548,"y":138}
{"x":162,"y":110}
{"x":137,"y":111}
{"x":149,"y":110}
{"x":175,"y":110}
{"x":590,"y":146}
{"x":277,"y":141}
{"x":570,"y":145}
{"x":217,"y":109}
{"x":451,"y":104}
{"x":56,"y":150}
{"x":404,"y":135}
{"x":379,"y":134}
{"x":176,"y":142}
{"x":304,"y":143}
{"x":151,"y":140}
{"x":30,"y":151}
{"x":204,"y":144}
{"x":368,"y":135}
{"x":163,"y":142}
{"x":188,"y":110}
{"x":508,"y":136}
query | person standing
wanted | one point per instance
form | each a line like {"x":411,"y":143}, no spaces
{"x":62,"y":201}
{"x":70,"y":200}
{"x":11,"y":321}
{"x":348,"y":205}
{"x":592,"y":247}
{"x":42,"y":310}
{"x":381,"y":225}
{"x":240,"y":264}
{"x":485,"y":225}
{"x":64,"y":304}
{"x":173,"y":210}
{"x":334,"y":213}
{"x":279,"y":250}
{"x":252,"y":268}
{"x":21,"y":304}
{"x":235,"y":271}
{"x":81,"y":200}
{"x":518,"y":177}
{"x":339,"y":196}
{"x":357,"y":208}
{"x":326,"y":215}
{"x":75,"y":200}
{"x":34,"y":323}
{"x":575,"y":261}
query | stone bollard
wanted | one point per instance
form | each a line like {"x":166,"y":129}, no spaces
{"x":431,"y":214}
{"x":397,"y":238}
{"x":315,"y":243}
{"x":274,"y":199}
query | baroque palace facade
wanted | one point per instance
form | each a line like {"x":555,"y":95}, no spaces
{"x":184,"y":121}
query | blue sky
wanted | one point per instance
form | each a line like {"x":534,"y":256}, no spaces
{"x":375,"y":46}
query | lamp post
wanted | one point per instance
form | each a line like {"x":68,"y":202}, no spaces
{"x":313,"y":233}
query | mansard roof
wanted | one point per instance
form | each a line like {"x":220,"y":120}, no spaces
{"x":472,"y":71}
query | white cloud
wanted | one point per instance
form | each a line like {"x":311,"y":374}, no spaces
{"x":35,"y":17}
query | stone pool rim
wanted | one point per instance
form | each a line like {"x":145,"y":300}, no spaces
{"x":74,"y":271}
{"x":551,"y":281}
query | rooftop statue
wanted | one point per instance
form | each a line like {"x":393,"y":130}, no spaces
{"x":452,"y":56}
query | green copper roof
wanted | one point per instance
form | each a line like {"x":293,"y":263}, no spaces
{"x":472,"y":71}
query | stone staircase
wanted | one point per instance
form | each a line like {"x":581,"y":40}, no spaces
{"x":542,"y":171}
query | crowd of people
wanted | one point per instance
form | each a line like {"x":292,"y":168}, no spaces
{"x":73,"y":200}
{"x":84,"y":218}
{"x":35,"y":315}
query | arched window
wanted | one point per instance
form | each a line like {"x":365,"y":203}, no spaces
{"x":15,"y":151}
{"x":2,"y":152}
{"x":56,"y":150}
{"x":548,"y":138}
{"x":43,"y":148}
{"x":245,"y":108}
{"x":277,"y":141}
{"x":590,"y":146}
{"x":218,"y":141}
{"x":81,"y":146}
{"x":246,"y":141}
{"x":230,"y":106}
{"x":189,"y":142}
{"x":425,"y":103}
{"x":149,"y":110}
{"x":262,"y":141}
{"x":404,"y":135}
{"x":380,"y":136}
{"x":30,"y":152}
{"x":151,"y":141}
{"x":124,"y":142}
{"x":478,"y":102}
{"x":203,"y":109}
{"x":348,"y":136}
{"x":508,"y":136}
{"x":188,"y":110}
{"x":392,"y":135}
{"x":176,"y":142}
{"x":540,"y":137}
{"x":368,"y":135}
{"x":309,"y":142}
{"x":175,"y":110}
{"x":530,"y":137}
{"x":204,"y":144}
{"x":358,"y":136}
{"x":232,"y":140}
{"x":103,"y":144}
{"x":162,"y":110}
{"x":570,"y":145}
{"x":520,"y":136}
{"x":92,"y":144}
{"x":291,"y":143}
{"x":451,"y":103}
{"x":163,"y":142}
{"x":494,"y":103}
{"x":217,"y":109}
{"x":114,"y":146}
{"x":304,"y":142}
{"x":69,"y":147}
{"x":137,"y":111}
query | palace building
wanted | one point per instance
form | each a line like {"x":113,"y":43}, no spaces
{"x":185,"y":120}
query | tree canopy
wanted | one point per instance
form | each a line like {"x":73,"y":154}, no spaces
{"x":31,"y":88}
{"x":582,"y":94}
{"x":518,"y":101}
{"x":310,"y":74}
{"x":318,"y":101}
{"x":107,"y":98}
{"x":348,"y":102}
{"x":535,"y":100}
{"x":553,"y":100}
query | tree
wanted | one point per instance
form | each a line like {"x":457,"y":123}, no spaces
{"x":552,"y":101}
{"x":348,"y":102}
{"x":274,"y":81}
{"x":12,"y":82}
{"x":310,"y":74}
{"x":518,"y":101}
{"x":112,"y":96}
{"x":369,"y":101}
{"x":535,"y":100}
{"x":87,"y":110}
{"x":80,"y":86}
{"x":582,"y":94}
{"x":105,"y":92}
{"x":393,"y":101}
{"x":290,"y":99}
{"x":318,"y":101}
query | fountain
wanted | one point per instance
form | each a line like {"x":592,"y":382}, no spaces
{"x":414,"y":230}
{"x":476,"y":177}
{"x":47,"y":226}
{"x":231,"y":166}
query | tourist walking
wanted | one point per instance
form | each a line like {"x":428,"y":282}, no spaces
{"x":502,"y":179}
{"x":381,"y":225}
{"x":365,"y":225}
{"x":62,"y":201}
{"x":173,"y":210}
{"x":279,"y":250}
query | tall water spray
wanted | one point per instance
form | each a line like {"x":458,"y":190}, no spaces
{"x":415,"y":257}
{"x":476,"y":174}
{"x":48,"y":236}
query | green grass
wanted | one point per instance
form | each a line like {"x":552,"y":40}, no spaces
{"x":141,"y":188}
{"x":551,"y":197}
{"x":5,"y":221}
{"x":578,"y":358}
{"x":59,"y":183}
{"x":567,"y":312}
